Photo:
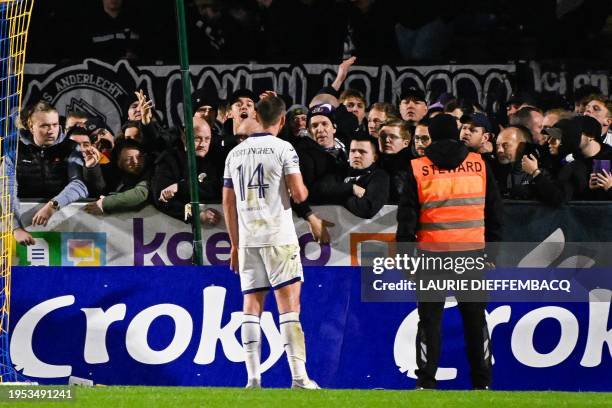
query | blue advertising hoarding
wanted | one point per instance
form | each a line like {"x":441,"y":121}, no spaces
{"x":181,"y":326}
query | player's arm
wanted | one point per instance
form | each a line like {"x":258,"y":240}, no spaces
{"x":293,"y":176}
{"x":231,"y":223}
{"x":297,"y":188}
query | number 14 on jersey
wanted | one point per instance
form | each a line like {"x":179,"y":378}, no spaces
{"x":256,"y":182}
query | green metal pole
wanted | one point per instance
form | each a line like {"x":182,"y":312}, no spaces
{"x":188,"y":114}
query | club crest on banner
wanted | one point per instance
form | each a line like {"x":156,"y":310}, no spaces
{"x":96,"y":88}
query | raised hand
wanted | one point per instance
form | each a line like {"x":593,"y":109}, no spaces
{"x":267,"y":94}
{"x":603,"y":180}
{"x":529,"y":164}
{"x":145,"y":106}
{"x":343,"y":70}
{"x":92,"y":156}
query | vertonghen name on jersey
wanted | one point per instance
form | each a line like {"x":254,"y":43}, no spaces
{"x":252,"y":150}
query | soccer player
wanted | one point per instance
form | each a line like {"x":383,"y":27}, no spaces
{"x":261,"y":175}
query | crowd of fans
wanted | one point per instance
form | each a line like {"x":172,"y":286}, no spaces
{"x":297,"y":31}
{"x":352,"y":152}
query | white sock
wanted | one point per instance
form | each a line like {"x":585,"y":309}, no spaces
{"x":292,"y":337}
{"x":251,"y":342}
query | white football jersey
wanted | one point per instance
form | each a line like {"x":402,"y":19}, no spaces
{"x":256,"y":170}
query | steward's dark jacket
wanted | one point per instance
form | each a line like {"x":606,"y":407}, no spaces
{"x":447,"y":154}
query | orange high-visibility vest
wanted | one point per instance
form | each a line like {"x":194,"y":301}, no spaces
{"x":452,"y":204}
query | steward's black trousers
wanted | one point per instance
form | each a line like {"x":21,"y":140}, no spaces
{"x":475,"y":331}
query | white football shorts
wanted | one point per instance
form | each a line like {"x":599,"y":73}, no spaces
{"x":264,"y":268}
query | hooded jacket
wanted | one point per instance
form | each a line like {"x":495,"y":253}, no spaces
{"x":447,"y":154}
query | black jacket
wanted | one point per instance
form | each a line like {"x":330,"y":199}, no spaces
{"x":587,"y":168}
{"x":447,"y":154}
{"x":171,"y":167}
{"x":556,"y":189}
{"x":513,"y":182}
{"x":315,"y":163}
{"x":396,"y":166}
{"x":156,"y":138}
{"x":338,"y":189}
{"x":43,"y":172}
{"x":571,"y":182}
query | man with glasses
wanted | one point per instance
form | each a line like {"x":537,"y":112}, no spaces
{"x":421,"y":137}
{"x":394,"y":143}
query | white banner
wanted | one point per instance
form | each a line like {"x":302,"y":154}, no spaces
{"x":148,"y":237}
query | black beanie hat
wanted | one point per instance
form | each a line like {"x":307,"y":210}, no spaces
{"x":442,"y":127}
{"x":570,"y":135}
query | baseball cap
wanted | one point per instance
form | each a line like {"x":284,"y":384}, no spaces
{"x":242,"y":93}
{"x":522,"y":98}
{"x":200,"y":98}
{"x":324,"y":109}
{"x":296,"y":110}
{"x":553,"y":132}
{"x":96,"y":123}
{"x":478,"y":119}
{"x":412,"y":92}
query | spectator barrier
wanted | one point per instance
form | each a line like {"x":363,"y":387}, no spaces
{"x":148,"y":237}
{"x":180,"y":326}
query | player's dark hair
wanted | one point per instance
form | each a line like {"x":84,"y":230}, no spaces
{"x":270,"y":110}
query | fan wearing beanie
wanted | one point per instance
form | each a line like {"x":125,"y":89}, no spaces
{"x":451,"y":206}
